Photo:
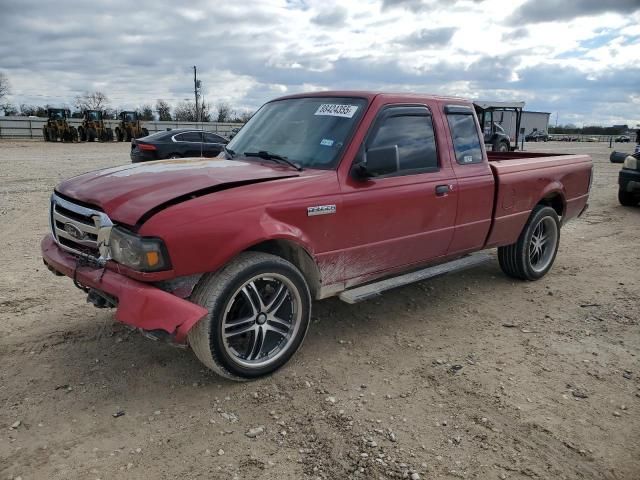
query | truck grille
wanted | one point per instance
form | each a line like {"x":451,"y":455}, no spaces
{"x":78,"y":229}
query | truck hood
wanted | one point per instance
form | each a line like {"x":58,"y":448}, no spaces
{"x":129,"y":192}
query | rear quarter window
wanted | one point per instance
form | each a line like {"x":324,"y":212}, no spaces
{"x":189,"y":137}
{"x":466,"y":142}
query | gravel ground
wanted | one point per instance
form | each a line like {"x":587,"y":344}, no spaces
{"x":467,"y":376}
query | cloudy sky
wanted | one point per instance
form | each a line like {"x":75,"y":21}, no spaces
{"x":580,"y":58}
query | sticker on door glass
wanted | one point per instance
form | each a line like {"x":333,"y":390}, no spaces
{"x":326,"y":142}
{"x":337,"y":110}
{"x":468,"y":159}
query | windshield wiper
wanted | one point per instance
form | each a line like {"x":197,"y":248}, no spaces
{"x":229,"y":152}
{"x":273,"y":156}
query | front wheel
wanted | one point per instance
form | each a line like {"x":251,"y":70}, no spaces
{"x":532,"y":256}
{"x":259,"y":309}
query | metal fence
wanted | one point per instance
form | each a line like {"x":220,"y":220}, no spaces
{"x":31,"y":127}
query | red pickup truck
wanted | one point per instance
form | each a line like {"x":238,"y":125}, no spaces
{"x":317,"y":195}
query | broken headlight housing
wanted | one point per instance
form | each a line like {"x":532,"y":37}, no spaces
{"x":145,"y":254}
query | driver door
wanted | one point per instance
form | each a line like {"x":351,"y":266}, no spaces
{"x":407,"y":217}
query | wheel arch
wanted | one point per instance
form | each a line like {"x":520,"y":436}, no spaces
{"x":295,"y":253}
{"x":556,"y":200}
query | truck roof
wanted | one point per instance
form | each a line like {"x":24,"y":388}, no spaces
{"x":371,"y":94}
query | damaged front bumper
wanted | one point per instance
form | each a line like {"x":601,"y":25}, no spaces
{"x":139,"y":304}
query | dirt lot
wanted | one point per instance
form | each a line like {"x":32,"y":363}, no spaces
{"x":549,"y":384}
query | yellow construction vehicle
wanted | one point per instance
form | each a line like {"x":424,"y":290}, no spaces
{"x":129,"y":127}
{"x":57,"y":126}
{"x":93,"y":127}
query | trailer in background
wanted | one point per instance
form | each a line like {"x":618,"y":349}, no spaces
{"x":499,"y":135}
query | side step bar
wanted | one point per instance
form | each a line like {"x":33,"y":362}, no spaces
{"x":371,"y":290}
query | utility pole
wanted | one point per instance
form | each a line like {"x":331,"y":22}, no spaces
{"x":195,"y":90}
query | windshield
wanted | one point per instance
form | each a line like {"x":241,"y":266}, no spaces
{"x":308,"y":131}
{"x":93,"y":115}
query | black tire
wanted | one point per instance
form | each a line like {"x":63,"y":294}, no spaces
{"x":627,"y":199}
{"x":219,"y":291}
{"x":91,"y":135}
{"x":82,"y":134}
{"x":500,"y":146}
{"x":109,"y":135}
{"x":618,"y":157}
{"x":45,"y":135}
{"x":119,"y":135}
{"x":515,"y":260}
{"x":175,"y":155}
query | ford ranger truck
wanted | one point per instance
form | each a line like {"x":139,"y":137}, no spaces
{"x":318,"y":195}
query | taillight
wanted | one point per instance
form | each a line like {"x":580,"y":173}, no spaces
{"x":146,"y":146}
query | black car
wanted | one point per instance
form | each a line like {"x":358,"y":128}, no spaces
{"x":176,"y":143}
{"x":537,"y":136}
{"x":623,"y":139}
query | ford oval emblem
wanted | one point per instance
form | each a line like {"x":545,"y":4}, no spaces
{"x":74,"y":231}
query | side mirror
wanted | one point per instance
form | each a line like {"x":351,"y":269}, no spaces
{"x":378,"y":161}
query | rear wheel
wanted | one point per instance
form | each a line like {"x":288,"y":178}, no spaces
{"x":174,"y":155}
{"x":532,"y":256}
{"x":259,"y":309}
{"x":501,"y":147}
{"x":627,"y":199}
{"x":91,"y":135}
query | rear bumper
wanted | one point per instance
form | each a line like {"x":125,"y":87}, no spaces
{"x":629,"y":181}
{"x":142,"y":156}
{"x":138,"y":304}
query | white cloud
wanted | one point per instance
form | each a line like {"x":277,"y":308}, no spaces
{"x":247,"y":54}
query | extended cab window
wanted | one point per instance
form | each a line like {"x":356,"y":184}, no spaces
{"x":466,"y":141}
{"x":413,"y":134}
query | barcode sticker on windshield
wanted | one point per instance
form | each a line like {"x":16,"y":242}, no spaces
{"x":336,"y":110}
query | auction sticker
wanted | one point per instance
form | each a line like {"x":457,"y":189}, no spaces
{"x":337,"y":110}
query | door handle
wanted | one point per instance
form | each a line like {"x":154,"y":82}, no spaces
{"x":442,"y":190}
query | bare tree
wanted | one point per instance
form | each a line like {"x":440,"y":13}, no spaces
{"x":33,"y":110}
{"x":242,"y":117}
{"x":224,"y":112}
{"x":185,"y":112}
{"x":110,"y":114}
{"x":91,"y":101}
{"x":4,"y":86}
{"x":163,"y":109}
{"x":145,"y":112}
{"x":9,"y":109}
{"x":205,"y":112}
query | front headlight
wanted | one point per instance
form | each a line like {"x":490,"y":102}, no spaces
{"x":631,"y":163}
{"x":145,"y":254}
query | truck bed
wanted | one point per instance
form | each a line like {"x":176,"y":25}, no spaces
{"x":523,"y":179}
